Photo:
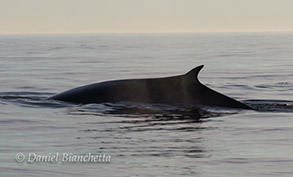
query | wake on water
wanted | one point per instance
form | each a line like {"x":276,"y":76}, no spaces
{"x":128,"y":109}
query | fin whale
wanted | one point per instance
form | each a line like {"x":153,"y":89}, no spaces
{"x":183,"y":89}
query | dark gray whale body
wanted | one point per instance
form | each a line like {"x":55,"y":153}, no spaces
{"x":176,"y":90}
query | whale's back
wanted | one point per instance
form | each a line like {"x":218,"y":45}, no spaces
{"x":183,"y":89}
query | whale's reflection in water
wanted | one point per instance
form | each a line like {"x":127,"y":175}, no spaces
{"x":155,"y":111}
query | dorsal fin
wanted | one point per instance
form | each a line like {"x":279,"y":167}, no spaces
{"x":194,"y":72}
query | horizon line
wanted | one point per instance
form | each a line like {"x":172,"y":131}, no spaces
{"x":146,"y":32}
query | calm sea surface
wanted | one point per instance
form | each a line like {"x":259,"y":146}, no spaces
{"x":156,"y":140}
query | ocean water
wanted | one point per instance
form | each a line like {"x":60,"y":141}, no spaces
{"x":147,"y":140}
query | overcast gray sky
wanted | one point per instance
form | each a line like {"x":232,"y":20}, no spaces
{"x":123,"y":16}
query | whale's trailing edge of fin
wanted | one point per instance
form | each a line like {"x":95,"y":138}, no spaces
{"x":211,"y":97}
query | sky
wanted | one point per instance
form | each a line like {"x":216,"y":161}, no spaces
{"x":144,"y":16}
